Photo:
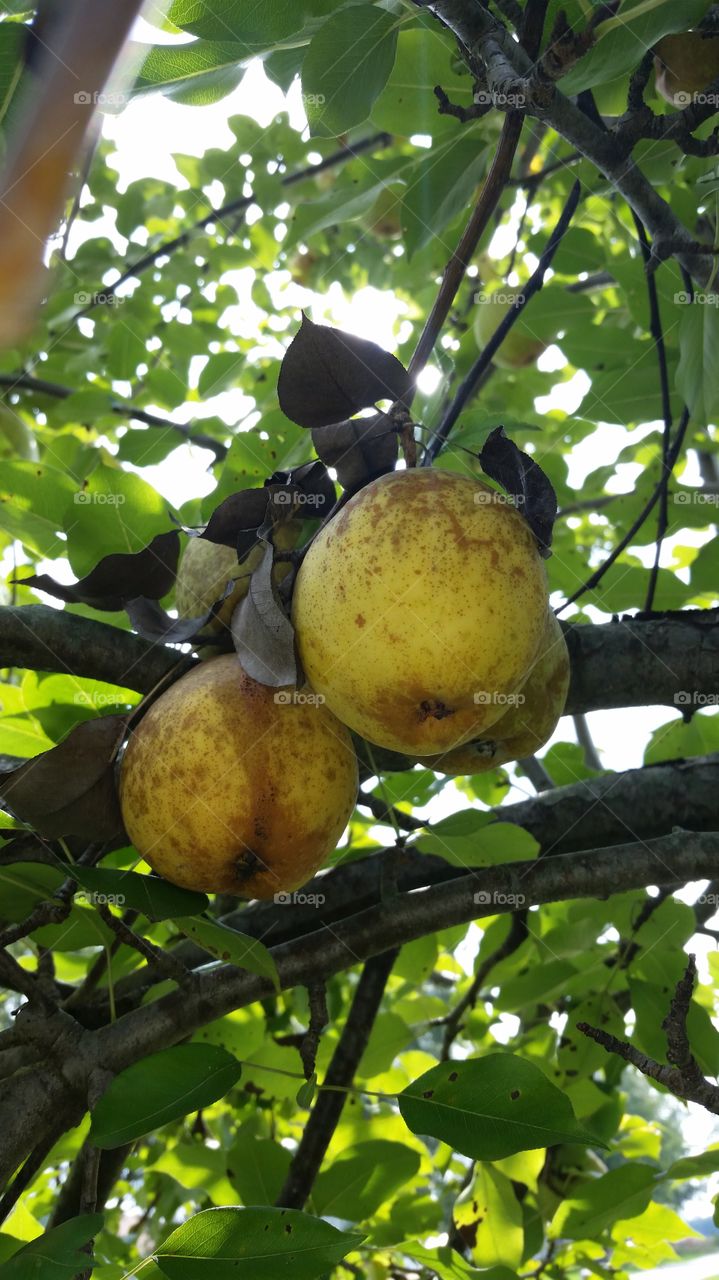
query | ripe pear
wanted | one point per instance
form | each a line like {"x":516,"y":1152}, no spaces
{"x":207,"y":567}
{"x":520,"y":347}
{"x":530,"y":719}
{"x":229,"y":786}
{"x":419,"y":603}
{"x":684,"y":65}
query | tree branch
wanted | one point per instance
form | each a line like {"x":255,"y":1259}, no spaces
{"x":25,"y":382}
{"x":510,"y":72}
{"x":683,"y":1077}
{"x":328,"y":1105}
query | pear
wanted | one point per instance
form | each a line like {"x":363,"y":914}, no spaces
{"x":520,"y":347}
{"x":229,"y":786}
{"x":684,"y":65}
{"x":531,"y":717}
{"x":207,"y":568}
{"x":419,"y":605}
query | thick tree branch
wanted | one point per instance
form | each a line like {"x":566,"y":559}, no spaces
{"x":639,"y":804}
{"x":628,"y":663}
{"x":33,"y":1098}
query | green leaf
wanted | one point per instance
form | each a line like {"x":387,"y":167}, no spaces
{"x":230,"y":946}
{"x":697,"y":375}
{"x":221,"y":371}
{"x":362,"y":1178}
{"x":346,"y":67}
{"x":57,"y":1254}
{"x":490,"y":1107}
{"x":155,"y":898}
{"x":622,"y":1193}
{"x":125,"y":350}
{"x":195,"y":74}
{"x":623,"y":47}
{"x":493,"y":844}
{"x":257,"y":1167}
{"x":438,"y":188}
{"x":12,"y":62}
{"x":253,"y":1244}
{"x":489,"y":1218}
{"x":695,"y":1166}
{"x":159,"y":1089}
{"x":407,"y":104}
{"x":446,"y":1263}
{"x":257,"y":27}
{"x":115,"y":511}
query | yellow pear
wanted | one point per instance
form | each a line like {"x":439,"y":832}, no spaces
{"x":684,"y":65}
{"x":531,"y":716}
{"x":520,"y":347}
{"x":229,"y":786}
{"x":207,"y":567}
{"x":419,"y":604}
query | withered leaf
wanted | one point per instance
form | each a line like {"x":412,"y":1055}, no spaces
{"x":151,"y":621}
{"x":310,"y":487}
{"x":70,"y":789}
{"x":524,"y":479}
{"x":360,"y":449}
{"x":328,"y":375}
{"x":120,"y":577}
{"x":236,"y":521}
{"x":262,"y":632}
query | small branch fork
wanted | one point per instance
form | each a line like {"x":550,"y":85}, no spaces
{"x":682,"y":1076}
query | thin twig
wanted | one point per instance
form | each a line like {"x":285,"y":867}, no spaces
{"x":166,"y":962}
{"x":455,"y":269}
{"x":621,"y":546}
{"x":482,"y":363}
{"x":513,"y":941}
{"x":655,"y":328}
{"x":329,"y":1103}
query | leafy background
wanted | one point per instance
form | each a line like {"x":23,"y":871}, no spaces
{"x":194,"y":338}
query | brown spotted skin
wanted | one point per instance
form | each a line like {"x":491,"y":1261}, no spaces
{"x":527,"y":724}
{"x":425,"y":590}
{"x":226,"y":790}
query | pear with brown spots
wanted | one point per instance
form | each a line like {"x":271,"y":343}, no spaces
{"x":418,"y":607}
{"x":528,"y":722}
{"x":207,"y":568}
{"x":229,"y":786}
